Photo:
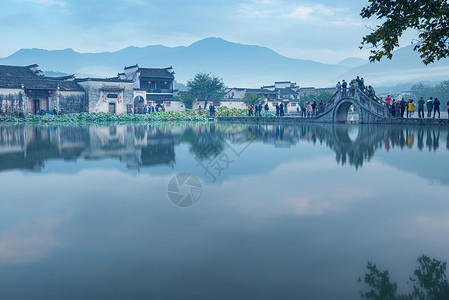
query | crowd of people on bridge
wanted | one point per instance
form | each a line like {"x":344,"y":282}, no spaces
{"x":348,"y":89}
{"x":402,"y":107}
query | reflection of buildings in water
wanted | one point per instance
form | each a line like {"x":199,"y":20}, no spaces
{"x":24,"y":147}
{"x":137,"y":146}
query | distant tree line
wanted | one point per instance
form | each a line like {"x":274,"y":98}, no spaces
{"x":440,"y":91}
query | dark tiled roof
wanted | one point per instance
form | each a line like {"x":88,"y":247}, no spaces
{"x":155,"y":73}
{"x":38,"y":82}
{"x":12,"y":71}
{"x":254,"y":90}
{"x":131,"y":67}
{"x":113,"y":79}
{"x":67,"y":77}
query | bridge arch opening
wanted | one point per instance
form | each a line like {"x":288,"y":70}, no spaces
{"x":347,"y":112}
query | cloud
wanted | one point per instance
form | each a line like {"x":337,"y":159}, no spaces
{"x":47,"y":2}
{"x":29,"y":241}
{"x":312,"y":12}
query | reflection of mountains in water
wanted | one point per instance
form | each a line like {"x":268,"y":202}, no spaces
{"x":24,"y":147}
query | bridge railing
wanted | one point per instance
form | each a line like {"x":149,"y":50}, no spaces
{"x":374,"y":103}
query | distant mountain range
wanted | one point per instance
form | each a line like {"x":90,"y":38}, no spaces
{"x":239,"y":65}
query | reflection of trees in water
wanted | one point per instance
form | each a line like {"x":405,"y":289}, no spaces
{"x":429,"y":281}
{"x":24,"y":146}
{"x":205,"y":141}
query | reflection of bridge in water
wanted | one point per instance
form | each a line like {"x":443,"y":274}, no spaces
{"x":353,"y":144}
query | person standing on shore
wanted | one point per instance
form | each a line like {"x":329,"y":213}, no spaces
{"x":277,"y":110}
{"x":436,"y":107}
{"x":398,"y":108}
{"x":309,"y":109}
{"x":304,"y":110}
{"x":387,"y":101}
{"x":403,"y":105}
{"x":411,"y":108}
{"x":281,"y":109}
{"x":393,"y":108}
{"x":421,"y":108}
{"x":212,"y":110}
{"x":200,"y":110}
{"x":266,"y":109}
{"x":313,"y":107}
{"x":429,"y":107}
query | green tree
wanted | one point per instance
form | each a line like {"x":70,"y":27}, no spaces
{"x":429,"y":282}
{"x":187,"y":98}
{"x":323,"y":95}
{"x":206,"y":87}
{"x":252,"y":98}
{"x":379,"y":284}
{"x":430,"y":18}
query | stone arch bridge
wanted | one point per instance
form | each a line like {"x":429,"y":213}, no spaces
{"x":370,"y":109}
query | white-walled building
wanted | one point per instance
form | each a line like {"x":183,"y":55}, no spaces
{"x":108,"y":95}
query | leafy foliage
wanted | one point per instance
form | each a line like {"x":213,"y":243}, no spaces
{"x":187,"y":98}
{"x":429,"y":282}
{"x":251,"y":98}
{"x":429,"y":17}
{"x":323,"y":95}
{"x":101,"y":118}
{"x":206,"y":87}
{"x":379,"y":284}
{"x":440,"y":91}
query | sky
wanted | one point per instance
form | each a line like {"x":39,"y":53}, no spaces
{"x":325,"y":31}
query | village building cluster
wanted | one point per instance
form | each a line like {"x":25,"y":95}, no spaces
{"x":24,"y":90}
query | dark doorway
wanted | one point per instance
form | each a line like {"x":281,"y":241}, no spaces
{"x":36,"y":106}
{"x":112,"y":108}
{"x":139,"y":104}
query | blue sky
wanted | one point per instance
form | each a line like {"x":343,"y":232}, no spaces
{"x":325,"y":31}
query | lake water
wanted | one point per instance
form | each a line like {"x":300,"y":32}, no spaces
{"x":217,"y":211}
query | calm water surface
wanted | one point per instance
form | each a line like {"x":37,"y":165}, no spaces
{"x":277,"y":212}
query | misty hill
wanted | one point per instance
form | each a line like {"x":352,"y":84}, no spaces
{"x":239,"y":65}
{"x":405,"y":66}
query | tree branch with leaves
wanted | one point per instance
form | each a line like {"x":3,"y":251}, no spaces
{"x":430,"y":18}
